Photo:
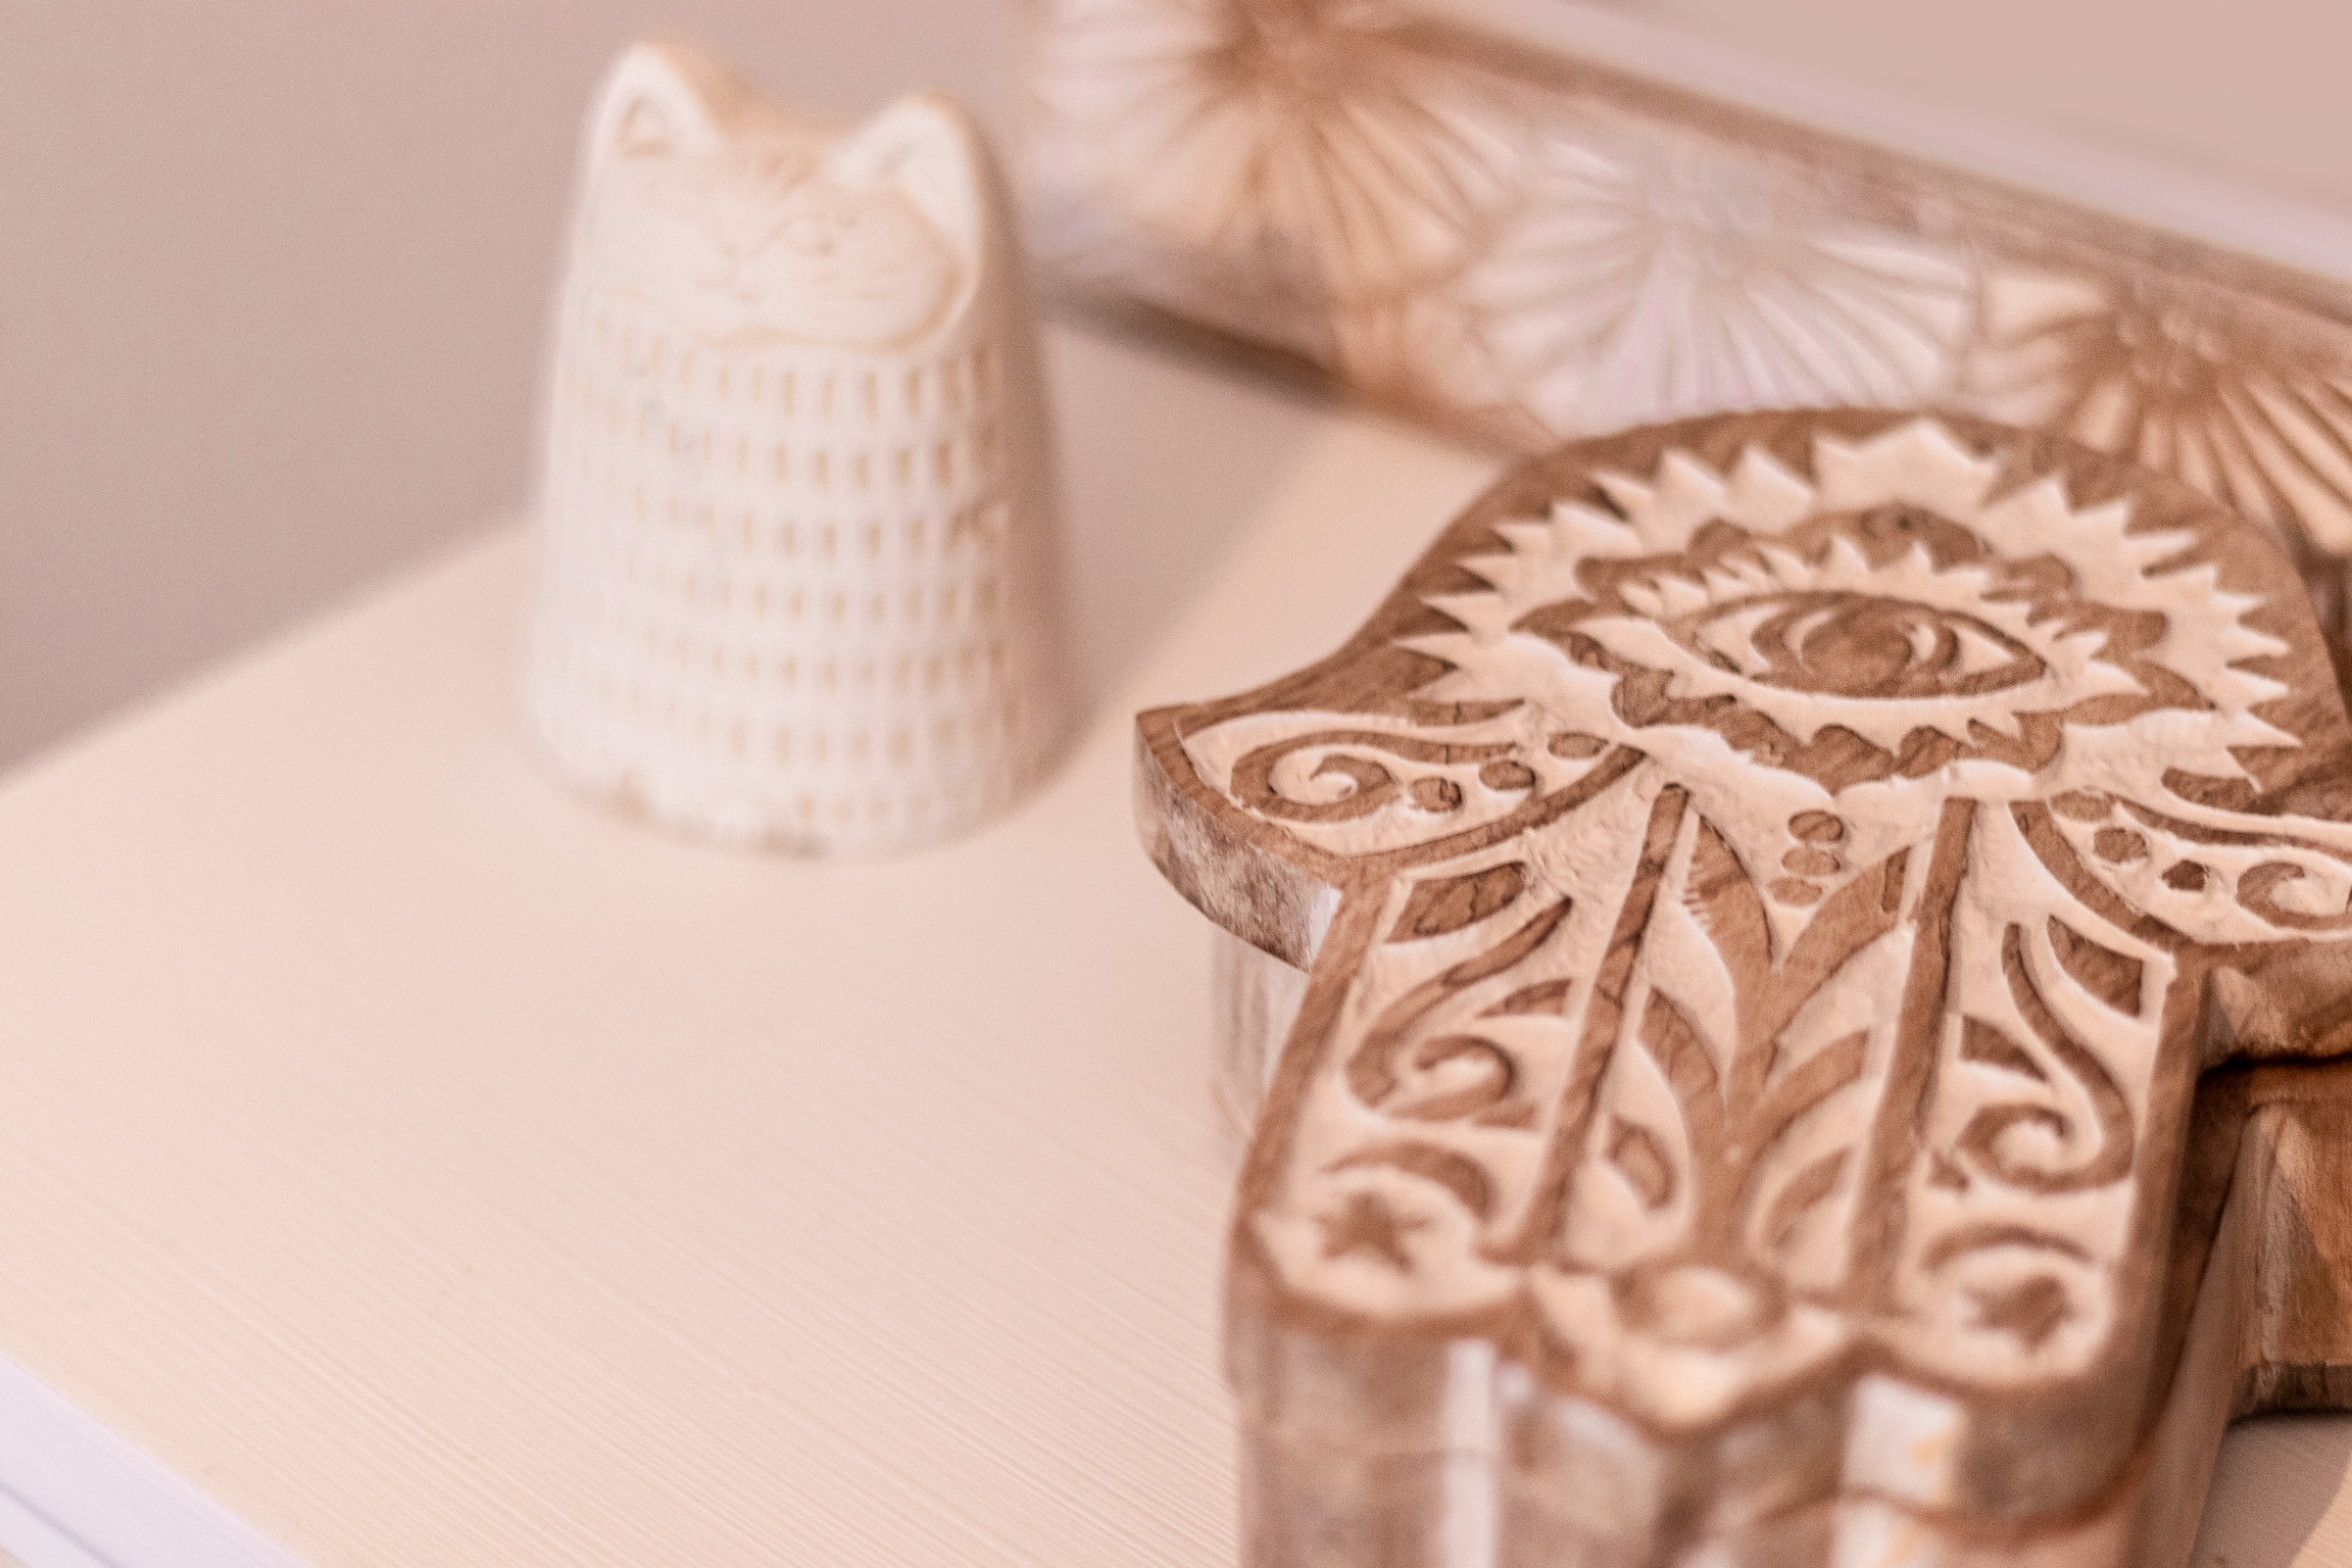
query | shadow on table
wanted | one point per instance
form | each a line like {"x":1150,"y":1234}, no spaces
{"x":2279,"y":1478}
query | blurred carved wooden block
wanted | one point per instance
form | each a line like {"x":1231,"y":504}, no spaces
{"x":797,"y":534}
{"x":1529,"y":245}
{"x":1824,"y":933}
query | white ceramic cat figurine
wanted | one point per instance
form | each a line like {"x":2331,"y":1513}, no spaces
{"x":797,"y":571}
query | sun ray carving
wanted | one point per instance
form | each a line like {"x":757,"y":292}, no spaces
{"x":1289,"y":149}
{"x":2186,"y":380}
{"x":1651,"y":279}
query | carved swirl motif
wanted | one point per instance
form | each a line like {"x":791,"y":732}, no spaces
{"x":1787,"y":848}
{"x":1340,"y":784}
{"x":1839,"y":644}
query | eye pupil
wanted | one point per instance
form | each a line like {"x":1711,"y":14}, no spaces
{"x":1856,"y":645}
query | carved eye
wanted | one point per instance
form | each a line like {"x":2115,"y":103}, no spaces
{"x":1856,"y":645}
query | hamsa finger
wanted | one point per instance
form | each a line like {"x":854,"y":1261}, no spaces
{"x":1772,"y":888}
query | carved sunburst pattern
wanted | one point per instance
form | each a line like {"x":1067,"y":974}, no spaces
{"x":1773,"y":877}
{"x":1649,"y":278}
{"x":1302,"y":169}
{"x":1535,"y":254}
{"x":1288,"y":148}
{"x":2184,"y":380}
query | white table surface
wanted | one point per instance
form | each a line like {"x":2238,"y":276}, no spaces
{"x":436,"y":1170}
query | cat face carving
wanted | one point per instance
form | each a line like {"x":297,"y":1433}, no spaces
{"x":797,"y":578}
{"x":750,"y":222}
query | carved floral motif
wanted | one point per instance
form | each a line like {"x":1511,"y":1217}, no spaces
{"x":1646,"y":278}
{"x":2187,"y":381}
{"x":1291,"y":152}
{"x":1544,"y":250}
{"x":1761,"y":920}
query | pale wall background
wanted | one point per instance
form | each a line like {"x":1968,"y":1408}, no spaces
{"x":272,"y":280}
{"x":2251,"y":91}
{"x":273,"y":271}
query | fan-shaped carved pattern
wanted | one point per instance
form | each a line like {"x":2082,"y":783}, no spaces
{"x":1531,"y":246}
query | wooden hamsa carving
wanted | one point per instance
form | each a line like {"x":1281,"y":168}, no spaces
{"x":1794,"y":906}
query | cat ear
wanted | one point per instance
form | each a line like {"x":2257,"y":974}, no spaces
{"x":930,"y":148}
{"x":664,"y":97}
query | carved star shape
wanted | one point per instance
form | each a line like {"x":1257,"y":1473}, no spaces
{"x":1368,"y":1224}
{"x":2031,"y":1311}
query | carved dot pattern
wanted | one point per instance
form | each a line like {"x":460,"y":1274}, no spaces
{"x":1437,"y":794}
{"x":1824,"y":1014}
{"x":1810,"y":863}
{"x":2083,"y":806}
{"x":1813,"y":830}
{"x":2120,"y":845}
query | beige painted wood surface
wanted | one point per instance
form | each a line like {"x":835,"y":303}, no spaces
{"x":439,"y":1171}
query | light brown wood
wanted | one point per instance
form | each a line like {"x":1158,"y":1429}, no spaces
{"x":1255,"y":1001}
{"x":1526,"y":245}
{"x":1794,"y":906}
